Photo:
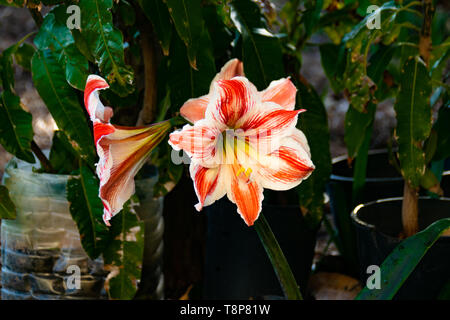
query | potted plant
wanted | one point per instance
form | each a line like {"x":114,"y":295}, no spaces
{"x":413,"y":63}
{"x":59,"y":63}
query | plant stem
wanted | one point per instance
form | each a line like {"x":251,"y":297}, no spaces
{"x":410,"y":204}
{"x":42,"y":158}
{"x":278,"y":260}
{"x":410,"y":210}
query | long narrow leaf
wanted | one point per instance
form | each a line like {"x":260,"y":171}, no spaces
{"x":402,"y":261}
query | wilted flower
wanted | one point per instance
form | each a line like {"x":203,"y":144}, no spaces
{"x":122,"y":150}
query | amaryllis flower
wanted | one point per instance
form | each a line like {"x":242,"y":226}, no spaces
{"x":122,"y":150}
{"x":243,"y":141}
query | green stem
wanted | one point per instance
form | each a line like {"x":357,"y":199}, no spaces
{"x":280,"y":265}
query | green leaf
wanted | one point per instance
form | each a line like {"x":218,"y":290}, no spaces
{"x":216,"y":26}
{"x":360,"y":30}
{"x":413,"y":114}
{"x":314,"y":124}
{"x":106,"y":44}
{"x":188,"y":20}
{"x":356,"y":124}
{"x":62,"y":102}
{"x":157,"y":12}
{"x":86,"y":209}
{"x":312,"y":14}
{"x":63,"y":157}
{"x":123,"y":256}
{"x":7,"y":207}
{"x":261,"y":51}
{"x":401,"y":262}
{"x":378,"y":63}
{"x":23,"y":56}
{"x":185,"y":82}
{"x":16,"y":130}
{"x":359,"y":88}
{"x":56,"y":36}
{"x":333,"y":62}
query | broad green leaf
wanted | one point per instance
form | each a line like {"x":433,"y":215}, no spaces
{"x":106,"y":44}
{"x":57,"y":37}
{"x":7,"y":207}
{"x":63,"y":157}
{"x":333,"y":62}
{"x":314,"y":124}
{"x":62,"y":102}
{"x":6,"y":64}
{"x":188,"y":20}
{"x":356,"y":124}
{"x":216,"y":26}
{"x":23,"y":56}
{"x":16,"y":130}
{"x":378,"y":63}
{"x":359,"y":88}
{"x":261,"y":51}
{"x":86,"y":209}
{"x":312,"y":14}
{"x":123,"y":256}
{"x":157,"y":12}
{"x":185,"y":82}
{"x":401,"y":262}
{"x":413,"y":114}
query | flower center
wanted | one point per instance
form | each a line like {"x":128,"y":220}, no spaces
{"x":236,"y":151}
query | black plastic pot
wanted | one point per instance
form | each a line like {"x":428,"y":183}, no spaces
{"x":382,"y":182}
{"x":378,"y":225}
{"x":237,"y":266}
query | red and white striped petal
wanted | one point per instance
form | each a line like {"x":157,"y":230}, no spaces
{"x":281,"y":92}
{"x":122,"y":152}
{"x":231,"y":100}
{"x":193,"y":110}
{"x":265,"y":129}
{"x":200,"y":142}
{"x":286,"y":167}
{"x":231,"y":69}
{"x":247,"y":195}
{"x":209,"y":184}
{"x":94,"y":106}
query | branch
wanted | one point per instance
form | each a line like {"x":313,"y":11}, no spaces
{"x":147,"y":114}
{"x":37,"y":16}
{"x":425,"y":33}
{"x":42,"y":158}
